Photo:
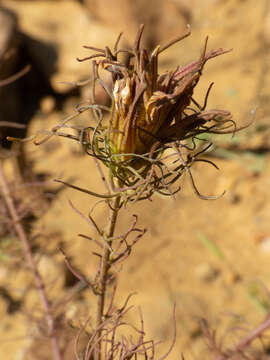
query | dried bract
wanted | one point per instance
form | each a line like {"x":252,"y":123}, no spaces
{"x":148,"y":107}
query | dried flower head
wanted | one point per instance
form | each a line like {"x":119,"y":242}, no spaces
{"x":149,"y":114}
{"x":148,"y":107}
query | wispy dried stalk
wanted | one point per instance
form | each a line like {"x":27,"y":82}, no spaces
{"x":39,"y":283}
{"x":244,"y":345}
{"x":114,"y":249}
{"x":150,"y":115}
{"x":16,"y":221}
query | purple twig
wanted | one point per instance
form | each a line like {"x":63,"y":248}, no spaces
{"x":31,"y":263}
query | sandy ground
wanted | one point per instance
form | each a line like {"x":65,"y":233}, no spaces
{"x":209,"y":257}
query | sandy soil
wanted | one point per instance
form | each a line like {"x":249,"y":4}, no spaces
{"x":210,"y":257}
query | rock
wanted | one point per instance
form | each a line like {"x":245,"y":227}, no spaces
{"x":55,"y":33}
{"x":8,"y":34}
{"x":206,"y":272}
{"x":51,"y":273}
{"x":264,"y":244}
{"x":47,"y":105}
{"x":9,"y":42}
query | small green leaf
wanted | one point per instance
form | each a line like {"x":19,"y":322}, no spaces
{"x":211,"y":246}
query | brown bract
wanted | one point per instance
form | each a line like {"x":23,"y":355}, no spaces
{"x":148,"y":107}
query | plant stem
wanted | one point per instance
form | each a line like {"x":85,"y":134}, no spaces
{"x":105,"y":266}
{"x":31,"y":263}
{"x":246,"y":341}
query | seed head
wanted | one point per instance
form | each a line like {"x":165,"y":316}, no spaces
{"x":151,"y":112}
{"x":148,"y":107}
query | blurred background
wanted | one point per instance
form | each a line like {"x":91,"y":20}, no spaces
{"x":210,"y":257}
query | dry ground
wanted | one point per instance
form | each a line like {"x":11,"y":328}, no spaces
{"x":176,"y":261}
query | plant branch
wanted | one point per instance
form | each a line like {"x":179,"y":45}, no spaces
{"x":246,"y":341}
{"x":104,"y":269}
{"x":31,"y":263}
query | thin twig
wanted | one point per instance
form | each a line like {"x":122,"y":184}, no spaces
{"x":89,"y":221}
{"x":246,"y":341}
{"x":174,"y":335}
{"x":76,"y":273}
{"x":10,"y":124}
{"x":16,"y":76}
{"x":32,"y":265}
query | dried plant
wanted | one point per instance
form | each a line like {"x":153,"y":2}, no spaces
{"x":14,"y":215}
{"x":150,"y":137}
{"x":242,"y":348}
